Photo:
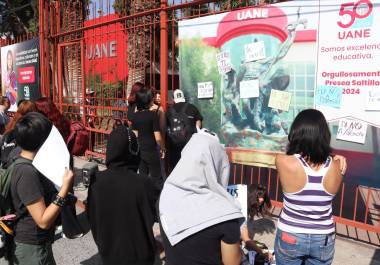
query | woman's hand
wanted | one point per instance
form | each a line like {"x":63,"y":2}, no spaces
{"x":342,"y":163}
{"x":67,"y":182}
{"x":162,"y":153}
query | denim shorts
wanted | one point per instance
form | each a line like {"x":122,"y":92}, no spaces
{"x":293,"y":249}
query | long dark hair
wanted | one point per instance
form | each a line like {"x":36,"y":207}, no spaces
{"x":310,"y":136}
{"x":144,"y":98}
{"x":255,"y":192}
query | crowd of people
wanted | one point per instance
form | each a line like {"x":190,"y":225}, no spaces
{"x":200,"y":222}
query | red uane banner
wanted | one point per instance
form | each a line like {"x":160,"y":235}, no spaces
{"x":106,"y":50}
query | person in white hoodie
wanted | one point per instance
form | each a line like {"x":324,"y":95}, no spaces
{"x":200,"y":221}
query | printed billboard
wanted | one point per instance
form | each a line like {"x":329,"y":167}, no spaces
{"x":267,"y":63}
{"x":20,"y":71}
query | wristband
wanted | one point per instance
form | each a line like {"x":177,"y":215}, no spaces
{"x":59,"y":201}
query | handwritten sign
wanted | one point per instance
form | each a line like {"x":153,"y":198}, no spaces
{"x":254,"y":51}
{"x":372,"y":101}
{"x":352,"y":130}
{"x":249,"y":88}
{"x":205,"y":90}
{"x":239,"y":192}
{"x":330,"y":96}
{"x":224,"y":62}
{"x":279,"y":100}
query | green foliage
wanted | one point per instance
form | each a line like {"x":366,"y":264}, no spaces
{"x":198,"y":64}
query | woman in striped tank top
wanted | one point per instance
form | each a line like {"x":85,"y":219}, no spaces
{"x":310,"y":178}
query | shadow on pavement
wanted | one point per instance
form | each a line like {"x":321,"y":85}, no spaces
{"x":376,"y":258}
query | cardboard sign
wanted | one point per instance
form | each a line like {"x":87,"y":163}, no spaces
{"x":254,"y":51}
{"x":372,"y":101}
{"x":224,"y":62}
{"x":352,"y":130}
{"x":279,"y":100}
{"x":249,"y":88}
{"x":240,"y":193}
{"x":330,"y":96}
{"x":205,"y":90}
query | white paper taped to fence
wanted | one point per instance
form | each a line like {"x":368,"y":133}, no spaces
{"x":53,"y":157}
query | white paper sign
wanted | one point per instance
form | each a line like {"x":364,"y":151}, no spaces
{"x":249,"y":88}
{"x":352,"y":130}
{"x":279,"y":100}
{"x":239,"y":192}
{"x":224,"y":62}
{"x":373,"y":99}
{"x":254,"y":51}
{"x":205,"y":90}
{"x":53,"y":157}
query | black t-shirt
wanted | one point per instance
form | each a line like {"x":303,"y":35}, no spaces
{"x":192,"y":112}
{"x":27,"y":186}
{"x":146,"y":123}
{"x":202,"y":248}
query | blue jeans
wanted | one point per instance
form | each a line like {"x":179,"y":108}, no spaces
{"x":293,"y":249}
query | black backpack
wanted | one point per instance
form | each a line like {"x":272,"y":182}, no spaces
{"x":6,"y":207}
{"x":9,"y":150}
{"x":179,"y":127}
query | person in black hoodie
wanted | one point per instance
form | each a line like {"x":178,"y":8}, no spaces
{"x":121,"y":204}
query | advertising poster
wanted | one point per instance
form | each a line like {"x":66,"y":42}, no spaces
{"x":348,"y":83}
{"x":20,"y":71}
{"x":268,"y":79}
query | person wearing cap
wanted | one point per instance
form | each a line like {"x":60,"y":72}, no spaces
{"x":195,"y":120}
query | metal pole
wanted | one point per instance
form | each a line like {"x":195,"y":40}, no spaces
{"x":42,"y":49}
{"x":164,"y":54}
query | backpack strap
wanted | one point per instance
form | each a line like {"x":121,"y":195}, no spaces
{"x":15,"y":162}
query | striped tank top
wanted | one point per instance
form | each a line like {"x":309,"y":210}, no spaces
{"x":309,"y":211}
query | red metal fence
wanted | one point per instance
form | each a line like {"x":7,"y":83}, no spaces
{"x":90,"y":57}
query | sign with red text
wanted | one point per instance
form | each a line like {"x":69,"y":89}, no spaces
{"x":349,"y":56}
{"x":20,"y":71}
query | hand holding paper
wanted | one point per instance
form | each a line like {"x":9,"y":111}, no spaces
{"x":53,"y":158}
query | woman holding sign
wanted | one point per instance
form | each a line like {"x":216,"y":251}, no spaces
{"x":310,"y":178}
{"x":34,"y":197}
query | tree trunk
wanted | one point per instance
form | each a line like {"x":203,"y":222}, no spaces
{"x":72,"y":18}
{"x":139,"y":31}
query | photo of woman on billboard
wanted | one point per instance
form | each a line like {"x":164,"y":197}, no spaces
{"x":10,"y":80}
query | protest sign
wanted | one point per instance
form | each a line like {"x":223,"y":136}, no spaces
{"x":249,"y":88}
{"x":279,"y":100}
{"x":352,"y":130}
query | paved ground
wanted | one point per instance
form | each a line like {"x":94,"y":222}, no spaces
{"x":83,"y":250}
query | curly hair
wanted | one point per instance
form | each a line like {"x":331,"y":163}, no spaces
{"x":46,"y":107}
{"x":24,"y":107}
{"x":255,"y":192}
